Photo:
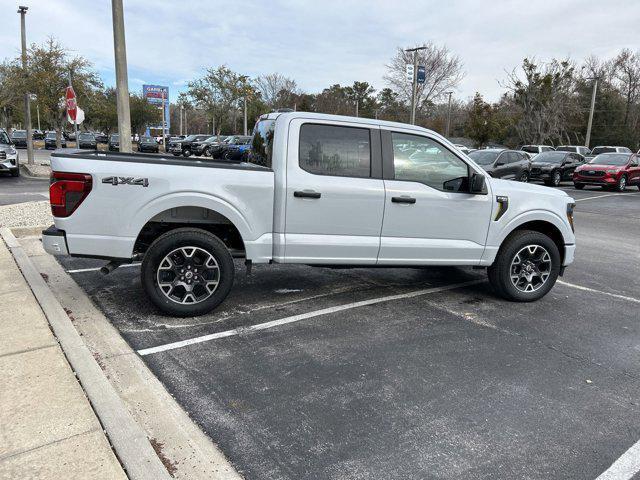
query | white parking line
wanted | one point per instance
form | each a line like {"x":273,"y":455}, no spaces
{"x":302,"y":316}
{"x":96,"y":269}
{"x":593,"y":290}
{"x":607,"y":195}
{"x":625,"y":467}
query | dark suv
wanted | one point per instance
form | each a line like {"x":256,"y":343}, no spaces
{"x":19,"y":138}
{"x":87,"y":140}
{"x":554,"y":167}
{"x":50,"y":141}
{"x":114,"y":143}
{"x":184,"y":146}
{"x":507,"y":164}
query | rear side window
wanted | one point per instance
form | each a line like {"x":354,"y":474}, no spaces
{"x":513,"y":157}
{"x":334,"y":150}
{"x":261,"y":151}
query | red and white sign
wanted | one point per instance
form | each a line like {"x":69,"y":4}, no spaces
{"x":72,"y":105}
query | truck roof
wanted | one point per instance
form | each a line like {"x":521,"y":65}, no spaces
{"x":344,"y":118}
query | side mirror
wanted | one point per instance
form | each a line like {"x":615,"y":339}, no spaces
{"x":477,"y":183}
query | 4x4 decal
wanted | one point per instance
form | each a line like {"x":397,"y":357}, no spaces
{"x":141,"y":182}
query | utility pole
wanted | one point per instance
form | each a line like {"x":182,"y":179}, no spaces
{"x":245,"y":115}
{"x":164,"y":123}
{"x":38,"y":112}
{"x":414,"y":84}
{"x":593,"y":106}
{"x":448,"y":116}
{"x":122,"y":81}
{"x":27,"y":105}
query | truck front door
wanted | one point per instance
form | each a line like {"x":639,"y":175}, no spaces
{"x":430,"y":217}
{"x":334,"y":193}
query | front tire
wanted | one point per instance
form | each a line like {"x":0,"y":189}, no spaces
{"x":524,"y":177}
{"x":621,"y":186}
{"x":15,"y":173}
{"x":187,"y":153}
{"x":556,"y":178}
{"x":187,"y":272}
{"x":526,"y":267}
{"x":578,"y":186}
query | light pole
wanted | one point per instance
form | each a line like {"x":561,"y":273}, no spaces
{"x":122,"y":81}
{"x":27,"y":106}
{"x":414,"y":84}
{"x":587,"y":139}
{"x":448,"y":116}
{"x":245,"y":114}
{"x":181,"y":113}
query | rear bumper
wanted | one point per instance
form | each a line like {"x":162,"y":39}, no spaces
{"x":54,"y":241}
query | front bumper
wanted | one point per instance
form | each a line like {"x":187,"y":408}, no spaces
{"x":540,"y":175}
{"x":9,"y":165}
{"x":594,"y":180}
{"x":54,"y":241}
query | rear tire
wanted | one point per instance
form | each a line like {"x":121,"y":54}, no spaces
{"x":187,"y":255}
{"x":526,"y":267}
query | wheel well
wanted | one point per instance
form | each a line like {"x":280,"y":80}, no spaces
{"x":546,"y":228}
{"x":193,"y":217}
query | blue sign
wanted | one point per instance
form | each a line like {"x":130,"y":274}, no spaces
{"x":422,"y":74}
{"x":154,"y":94}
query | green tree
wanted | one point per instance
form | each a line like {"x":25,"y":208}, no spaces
{"x":482,"y":122}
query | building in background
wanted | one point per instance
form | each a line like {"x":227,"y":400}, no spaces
{"x":154,"y":94}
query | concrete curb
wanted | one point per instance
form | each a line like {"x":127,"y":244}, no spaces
{"x":129,"y":441}
{"x":20,"y":232}
{"x":28,"y":172}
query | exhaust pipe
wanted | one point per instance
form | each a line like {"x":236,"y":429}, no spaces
{"x":110,"y":267}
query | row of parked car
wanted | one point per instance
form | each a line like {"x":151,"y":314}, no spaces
{"x":231,"y":147}
{"x":606,"y":166}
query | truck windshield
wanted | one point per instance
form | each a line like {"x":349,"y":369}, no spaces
{"x":262,"y":143}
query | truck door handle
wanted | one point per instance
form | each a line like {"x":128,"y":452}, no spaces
{"x":409,"y":200}
{"x":306,"y":194}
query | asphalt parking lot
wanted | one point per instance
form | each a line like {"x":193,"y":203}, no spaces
{"x":424,"y":378}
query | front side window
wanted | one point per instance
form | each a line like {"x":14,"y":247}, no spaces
{"x":421,"y":159}
{"x":336,"y":151}
{"x":4,"y":138}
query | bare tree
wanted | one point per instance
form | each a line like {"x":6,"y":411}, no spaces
{"x":443,"y":72}
{"x":626,"y":72}
{"x":275,"y":89}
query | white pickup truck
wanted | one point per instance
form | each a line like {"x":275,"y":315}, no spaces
{"x":317,"y":190}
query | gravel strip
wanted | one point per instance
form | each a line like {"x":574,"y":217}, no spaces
{"x":29,"y":214}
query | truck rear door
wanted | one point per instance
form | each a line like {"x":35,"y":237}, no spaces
{"x":334,"y":193}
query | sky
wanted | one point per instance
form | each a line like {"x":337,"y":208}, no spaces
{"x":320,"y":43}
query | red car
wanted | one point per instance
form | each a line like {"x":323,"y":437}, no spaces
{"x":609,"y":170}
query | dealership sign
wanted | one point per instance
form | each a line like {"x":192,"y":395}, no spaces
{"x":157,"y":95}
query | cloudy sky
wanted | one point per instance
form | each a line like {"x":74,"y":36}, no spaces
{"x":319,"y":43}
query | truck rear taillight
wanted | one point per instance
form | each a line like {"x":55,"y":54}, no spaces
{"x":67,"y":191}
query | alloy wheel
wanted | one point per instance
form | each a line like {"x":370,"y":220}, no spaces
{"x":188,"y":275}
{"x":530,"y":268}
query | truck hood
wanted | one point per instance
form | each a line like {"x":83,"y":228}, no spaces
{"x":506,"y":187}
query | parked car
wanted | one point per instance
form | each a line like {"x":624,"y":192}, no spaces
{"x":204,"y":147}
{"x":9,"y":157}
{"x":536,"y":149}
{"x":19,"y":138}
{"x":37,"y":134}
{"x":507,"y":164}
{"x":50,"y":141}
{"x":220,"y":150}
{"x":238,"y":150}
{"x":148,"y":144}
{"x":101,"y":137}
{"x":581,"y":149}
{"x":316,"y":185}
{"x":609,"y":149}
{"x":609,"y":170}
{"x":87,"y":140}
{"x":183,"y":147}
{"x":463,"y":148}
{"x":114,"y":143}
{"x":554,"y":167}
